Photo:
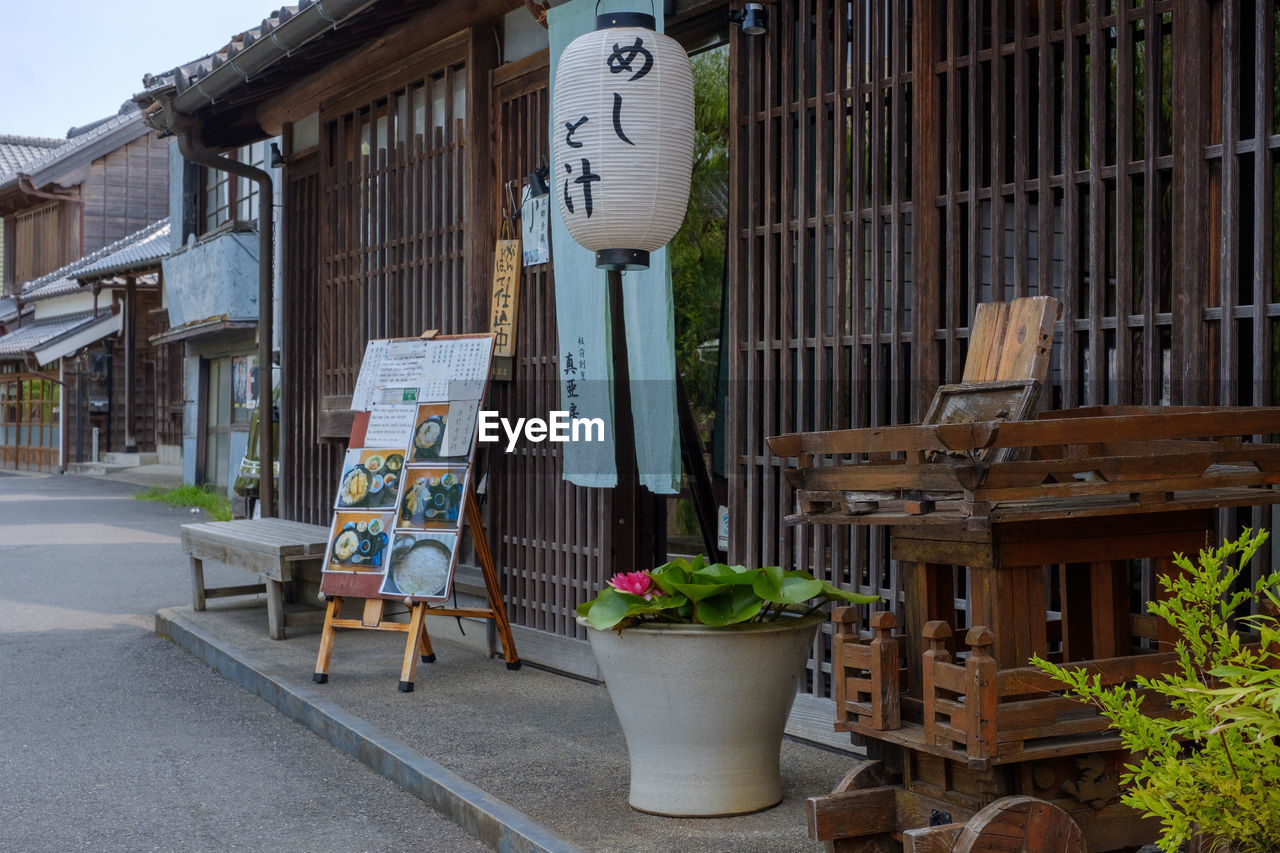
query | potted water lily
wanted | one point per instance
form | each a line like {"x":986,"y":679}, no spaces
{"x":702,"y":662}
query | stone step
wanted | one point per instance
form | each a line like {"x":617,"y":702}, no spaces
{"x":93,"y":469}
{"x":128,"y":460}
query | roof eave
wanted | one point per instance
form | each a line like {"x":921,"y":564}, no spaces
{"x":241,"y":66}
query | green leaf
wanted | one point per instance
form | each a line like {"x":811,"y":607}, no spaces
{"x":726,"y":574}
{"x":736,"y":604}
{"x":773,"y":584}
{"x":835,"y":593}
{"x":609,"y":608}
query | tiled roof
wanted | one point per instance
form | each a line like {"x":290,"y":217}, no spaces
{"x":17,"y":151}
{"x":36,"y":332}
{"x":8,"y":309}
{"x":50,"y":155}
{"x":188,"y":74}
{"x":140,"y":246}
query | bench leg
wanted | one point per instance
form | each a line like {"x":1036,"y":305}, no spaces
{"x":197,"y":583}
{"x":275,"y":609}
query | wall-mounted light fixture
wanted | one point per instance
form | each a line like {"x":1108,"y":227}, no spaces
{"x":277,"y":159}
{"x":538,"y":181}
{"x":753,"y":19}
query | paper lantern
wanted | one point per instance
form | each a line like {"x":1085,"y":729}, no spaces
{"x":622,"y":139}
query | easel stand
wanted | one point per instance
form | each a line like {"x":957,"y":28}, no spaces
{"x":418,"y":643}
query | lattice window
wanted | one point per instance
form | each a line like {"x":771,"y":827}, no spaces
{"x":392,"y":239}
{"x":551,"y":539}
{"x":228,"y":196}
{"x":39,"y":246}
{"x":821,"y":310}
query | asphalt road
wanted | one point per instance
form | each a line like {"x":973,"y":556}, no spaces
{"x":112,"y":739}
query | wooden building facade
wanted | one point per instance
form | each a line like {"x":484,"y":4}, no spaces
{"x":893,"y":164}
{"x":96,"y":197}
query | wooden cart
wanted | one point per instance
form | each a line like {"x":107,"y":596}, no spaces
{"x":968,"y":747}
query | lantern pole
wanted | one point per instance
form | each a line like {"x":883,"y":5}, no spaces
{"x":635,"y":543}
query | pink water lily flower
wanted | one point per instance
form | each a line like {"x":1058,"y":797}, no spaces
{"x":634,"y":583}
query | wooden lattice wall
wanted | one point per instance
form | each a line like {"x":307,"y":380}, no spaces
{"x":551,"y":539}
{"x":821,"y":314}
{"x":895,"y":163}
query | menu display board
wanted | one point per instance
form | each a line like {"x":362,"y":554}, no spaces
{"x":402,"y":494}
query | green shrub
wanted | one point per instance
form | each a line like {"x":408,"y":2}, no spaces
{"x":217,"y":504}
{"x":1213,"y":771}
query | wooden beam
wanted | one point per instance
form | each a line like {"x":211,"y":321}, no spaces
{"x":926,"y":185}
{"x":399,"y":49}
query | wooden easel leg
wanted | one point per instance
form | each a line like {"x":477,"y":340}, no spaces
{"x":424,"y":645}
{"x":490,"y":573}
{"x":321,"y":675}
{"x":412,"y":647}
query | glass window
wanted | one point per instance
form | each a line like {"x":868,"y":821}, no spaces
{"x":228,"y":196}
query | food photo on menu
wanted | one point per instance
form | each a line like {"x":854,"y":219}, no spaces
{"x":432,"y":497}
{"x":429,"y":433}
{"x":420,"y":565}
{"x":358,"y":542}
{"x":370,"y":478}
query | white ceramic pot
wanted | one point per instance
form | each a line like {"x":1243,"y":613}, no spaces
{"x":703,"y":710}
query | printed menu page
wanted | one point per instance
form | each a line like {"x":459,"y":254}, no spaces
{"x":399,"y":506}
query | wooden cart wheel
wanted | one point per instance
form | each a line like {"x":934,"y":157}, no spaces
{"x":1018,"y":824}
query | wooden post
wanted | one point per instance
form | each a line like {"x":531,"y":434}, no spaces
{"x":885,"y":701}
{"x":926,"y":186}
{"x":936,"y":634}
{"x":633,"y":545}
{"x":980,"y":693}
{"x":846,"y":619}
{"x":130,"y":360}
{"x":1192,"y":243}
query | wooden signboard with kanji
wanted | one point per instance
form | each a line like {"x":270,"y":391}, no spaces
{"x":406,"y":491}
{"x":504,"y":305}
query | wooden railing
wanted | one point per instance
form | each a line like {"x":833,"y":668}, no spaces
{"x":990,"y":713}
{"x":866,"y":673}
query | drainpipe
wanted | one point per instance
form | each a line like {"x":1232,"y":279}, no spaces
{"x":200,"y":155}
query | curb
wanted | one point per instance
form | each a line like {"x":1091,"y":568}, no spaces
{"x":487,"y":818}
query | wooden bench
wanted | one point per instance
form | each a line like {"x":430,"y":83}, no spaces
{"x":271,"y":547}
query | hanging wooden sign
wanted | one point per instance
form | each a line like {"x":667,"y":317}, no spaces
{"x":406,"y":491}
{"x":504,"y":305}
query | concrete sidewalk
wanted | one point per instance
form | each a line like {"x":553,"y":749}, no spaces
{"x":524,"y":760}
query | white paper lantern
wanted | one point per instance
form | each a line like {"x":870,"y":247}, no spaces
{"x":622,"y":139}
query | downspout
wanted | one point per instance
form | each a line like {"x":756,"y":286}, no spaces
{"x":197,"y":153}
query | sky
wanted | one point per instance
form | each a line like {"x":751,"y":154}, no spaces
{"x":66,"y":63}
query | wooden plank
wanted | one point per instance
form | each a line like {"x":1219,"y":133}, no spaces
{"x":852,"y":814}
{"x":986,"y":340}
{"x":1028,"y":344}
{"x":1022,"y":681}
{"x":229,"y":591}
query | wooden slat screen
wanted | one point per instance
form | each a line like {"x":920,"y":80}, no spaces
{"x":1119,"y":155}
{"x":820,"y":260}
{"x":1241,"y":245}
{"x":392,"y":222}
{"x":551,"y":539}
{"x":1055,"y":178}
{"x":169,"y":395}
{"x":40,"y":245}
{"x":309,"y":477}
